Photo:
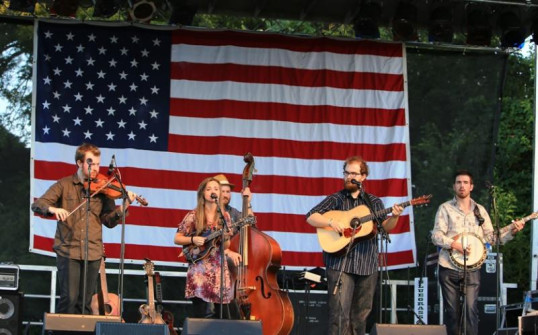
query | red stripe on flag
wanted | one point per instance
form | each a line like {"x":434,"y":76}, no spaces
{"x":132,"y":251}
{"x":170,"y":218}
{"x":271,"y":184}
{"x":294,"y":43}
{"x":270,"y":147}
{"x":43,"y":243}
{"x":294,"y":77}
{"x":170,"y":254}
{"x":302,"y":258}
{"x":400,"y":257}
{"x":287,"y":112}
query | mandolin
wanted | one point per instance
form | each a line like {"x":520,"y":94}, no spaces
{"x":195,"y":253}
{"x":359,"y":217}
{"x":147,"y":311}
{"x":104,"y":303}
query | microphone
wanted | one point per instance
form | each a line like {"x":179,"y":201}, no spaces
{"x":111,"y":165}
{"x":89,"y":161}
{"x":356,"y":182}
{"x":214,"y":196}
{"x":489,"y":185}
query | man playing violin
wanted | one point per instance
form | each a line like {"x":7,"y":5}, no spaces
{"x":61,"y":200}
{"x":458,"y":222}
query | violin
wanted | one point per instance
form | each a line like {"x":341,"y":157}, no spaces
{"x":109,"y":187}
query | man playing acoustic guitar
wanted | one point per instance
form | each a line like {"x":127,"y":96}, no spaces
{"x":352,"y":303}
{"x":462,"y":223}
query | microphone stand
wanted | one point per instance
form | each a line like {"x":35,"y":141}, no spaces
{"x":497,"y":248}
{"x":419,"y":321}
{"x":86,"y":238}
{"x":354,"y":224}
{"x":222,"y":258}
{"x":124,"y":196}
{"x":383,"y":235}
{"x":463,"y":290}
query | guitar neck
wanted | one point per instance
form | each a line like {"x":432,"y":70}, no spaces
{"x":151,"y":297}
{"x":382,"y":212}
{"x":102,"y":273}
{"x":530,"y":217}
{"x":240,"y":223}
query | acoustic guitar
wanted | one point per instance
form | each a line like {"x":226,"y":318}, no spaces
{"x":147,"y":311}
{"x":104,"y":303}
{"x":360,"y":218}
{"x":194,"y":253}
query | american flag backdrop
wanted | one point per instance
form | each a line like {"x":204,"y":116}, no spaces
{"x":177,"y":106}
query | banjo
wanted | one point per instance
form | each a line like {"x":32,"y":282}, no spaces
{"x":474,"y":259}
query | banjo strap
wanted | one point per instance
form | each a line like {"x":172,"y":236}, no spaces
{"x":478,"y":216}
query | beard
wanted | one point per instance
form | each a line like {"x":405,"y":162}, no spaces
{"x":225,"y":201}
{"x":348,"y":186}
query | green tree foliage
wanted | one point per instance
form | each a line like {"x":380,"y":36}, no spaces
{"x":15,"y":77}
{"x":514,"y":168}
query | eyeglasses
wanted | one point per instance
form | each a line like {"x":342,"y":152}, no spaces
{"x":352,"y":174}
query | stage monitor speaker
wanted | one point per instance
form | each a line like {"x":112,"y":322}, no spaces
{"x":10,"y":312}
{"x":56,"y":324}
{"x":113,"y":328}
{"x":507,"y":331}
{"x":221,"y":327}
{"x":394,"y":329}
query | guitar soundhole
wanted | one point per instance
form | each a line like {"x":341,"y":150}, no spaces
{"x":355,"y":224}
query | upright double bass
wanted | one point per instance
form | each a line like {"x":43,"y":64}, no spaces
{"x":256,"y":286}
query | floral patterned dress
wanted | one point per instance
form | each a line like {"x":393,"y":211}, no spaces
{"x":203,"y":277}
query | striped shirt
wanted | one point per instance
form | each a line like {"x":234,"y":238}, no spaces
{"x":363,"y":257}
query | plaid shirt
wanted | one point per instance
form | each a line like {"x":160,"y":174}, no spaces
{"x":363,"y":257}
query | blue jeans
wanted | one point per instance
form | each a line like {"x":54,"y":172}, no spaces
{"x":70,"y":278}
{"x":451,"y":285}
{"x":350,"y":306}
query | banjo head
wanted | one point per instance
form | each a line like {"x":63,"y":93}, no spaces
{"x":475,"y":258}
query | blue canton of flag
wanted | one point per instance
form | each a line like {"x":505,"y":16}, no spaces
{"x":102,"y":86}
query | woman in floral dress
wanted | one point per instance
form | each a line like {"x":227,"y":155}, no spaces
{"x":203,"y":277}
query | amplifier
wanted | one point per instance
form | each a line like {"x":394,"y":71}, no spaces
{"x":9,"y":277}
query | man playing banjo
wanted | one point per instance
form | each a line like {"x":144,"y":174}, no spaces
{"x":462,"y":227}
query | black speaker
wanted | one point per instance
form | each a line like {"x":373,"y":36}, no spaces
{"x":393,"y":329}
{"x":218,"y":327}
{"x":113,"y":328}
{"x":56,"y":324}
{"x":528,"y":325}
{"x":10,"y":312}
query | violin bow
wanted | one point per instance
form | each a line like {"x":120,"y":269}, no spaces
{"x":91,"y":196}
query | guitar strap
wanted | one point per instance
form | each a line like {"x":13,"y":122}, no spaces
{"x":380,"y":229}
{"x":368,"y":203}
{"x":478,"y":216}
